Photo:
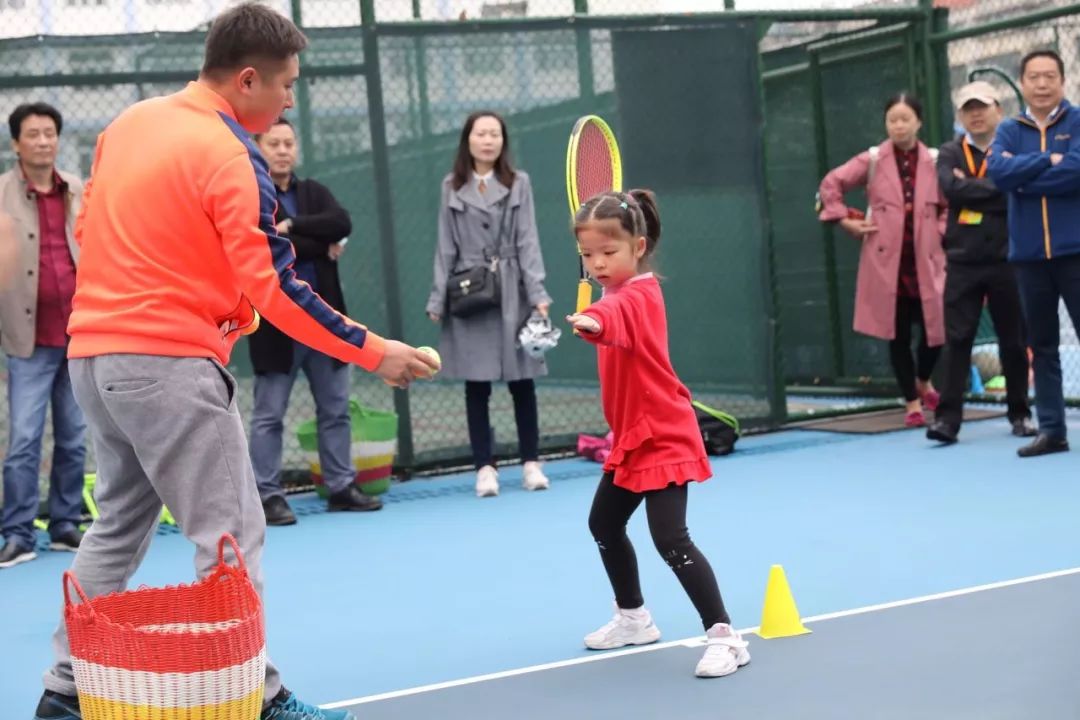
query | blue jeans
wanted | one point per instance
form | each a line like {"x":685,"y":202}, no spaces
{"x":1042,"y":285}
{"x":33,"y":383}
{"x":329,"y":383}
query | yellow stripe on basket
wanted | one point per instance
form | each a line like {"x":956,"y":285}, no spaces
{"x":138,"y":688}
{"x":367,"y":463}
{"x":361,"y":463}
{"x":245,"y":708}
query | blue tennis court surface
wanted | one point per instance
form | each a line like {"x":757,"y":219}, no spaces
{"x":442,"y":587}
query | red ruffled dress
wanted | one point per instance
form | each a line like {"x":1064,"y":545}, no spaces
{"x":657,"y":439}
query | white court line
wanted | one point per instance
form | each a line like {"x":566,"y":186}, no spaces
{"x":691,"y":642}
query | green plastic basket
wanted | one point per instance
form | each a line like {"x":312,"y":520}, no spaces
{"x":373,"y":431}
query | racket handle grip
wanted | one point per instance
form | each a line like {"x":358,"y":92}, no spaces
{"x":584,"y":295}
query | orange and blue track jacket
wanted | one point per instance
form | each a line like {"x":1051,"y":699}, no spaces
{"x":178,"y":245}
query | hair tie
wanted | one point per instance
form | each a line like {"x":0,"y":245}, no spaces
{"x":624,"y":206}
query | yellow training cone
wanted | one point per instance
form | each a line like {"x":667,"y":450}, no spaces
{"x":779,"y":616}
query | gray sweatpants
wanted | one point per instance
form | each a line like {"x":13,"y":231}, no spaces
{"x":165,"y":430}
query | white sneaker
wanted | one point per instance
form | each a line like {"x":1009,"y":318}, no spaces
{"x":487,"y":482}
{"x":725,"y":653}
{"x":628,"y":627}
{"x":534,"y":477}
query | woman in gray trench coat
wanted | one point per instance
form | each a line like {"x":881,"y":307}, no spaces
{"x":483,"y":348}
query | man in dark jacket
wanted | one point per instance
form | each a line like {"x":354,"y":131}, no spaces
{"x":1036,"y":160}
{"x":977,"y":247}
{"x":310,"y":217}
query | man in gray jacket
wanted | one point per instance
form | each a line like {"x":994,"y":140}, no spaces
{"x":41,"y":203}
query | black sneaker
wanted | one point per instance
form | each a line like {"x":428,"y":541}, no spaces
{"x":1044,"y":445}
{"x":54,"y":706}
{"x":277,"y":511}
{"x":352,"y":500}
{"x":66,"y":540}
{"x":14,"y":553}
{"x":942,"y":432}
{"x":1024,"y":428}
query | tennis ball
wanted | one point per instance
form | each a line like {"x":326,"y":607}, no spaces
{"x":433,"y":353}
{"x":254,"y":325}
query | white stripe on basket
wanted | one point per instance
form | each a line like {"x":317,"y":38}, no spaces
{"x":170,"y":690}
{"x":194,"y":628}
{"x":370,"y":449}
{"x":360,"y":450}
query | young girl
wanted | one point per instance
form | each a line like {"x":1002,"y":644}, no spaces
{"x":658,"y":448}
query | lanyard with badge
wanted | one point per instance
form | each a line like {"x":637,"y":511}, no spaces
{"x":971,"y":217}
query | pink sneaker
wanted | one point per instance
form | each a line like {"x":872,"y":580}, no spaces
{"x":915,"y":420}
{"x":931,"y":400}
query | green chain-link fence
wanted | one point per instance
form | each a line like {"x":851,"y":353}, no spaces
{"x":732,"y":117}
{"x":825,"y":86}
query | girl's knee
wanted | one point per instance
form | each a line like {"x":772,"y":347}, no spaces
{"x":605,"y":533}
{"x":674,"y":547}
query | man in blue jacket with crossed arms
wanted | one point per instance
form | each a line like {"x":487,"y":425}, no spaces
{"x":1036,"y":160}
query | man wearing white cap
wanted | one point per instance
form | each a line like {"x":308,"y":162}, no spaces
{"x":977,"y":271}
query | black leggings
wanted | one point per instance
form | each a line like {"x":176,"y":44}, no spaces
{"x":909,"y":312}
{"x":477,"y":399}
{"x":666,"y":510}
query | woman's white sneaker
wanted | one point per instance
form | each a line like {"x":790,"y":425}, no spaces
{"x":534,"y":478}
{"x":725,"y":652}
{"x":628,"y":627}
{"x":487,"y":482}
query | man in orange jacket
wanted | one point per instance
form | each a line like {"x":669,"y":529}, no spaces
{"x":178,"y":251}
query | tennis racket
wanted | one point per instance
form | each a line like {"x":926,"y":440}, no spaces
{"x":593,"y":166}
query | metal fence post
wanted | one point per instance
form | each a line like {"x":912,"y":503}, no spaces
{"x":930,"y":74}
{"x":303,"y":96}
{"x":586,"y":87}
{"x":421,"y":77}
{"x":831,"y":279}
{"x":776,"y":387}
{"x":380,"y":160}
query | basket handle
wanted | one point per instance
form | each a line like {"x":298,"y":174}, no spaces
{"x":227,"y":538}
{"x":70,"y":580}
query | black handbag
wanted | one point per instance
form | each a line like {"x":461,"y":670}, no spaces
{"x":476,"y":289}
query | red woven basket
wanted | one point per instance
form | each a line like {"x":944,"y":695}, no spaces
{"x":186,"y":652}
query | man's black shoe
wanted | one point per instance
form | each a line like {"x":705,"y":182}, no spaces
{"x":66,"y":540}
{"x":352,"y":500}
{"x":1044,"y":445}
{"x":277,"y":511}
{"x":14,"y":553}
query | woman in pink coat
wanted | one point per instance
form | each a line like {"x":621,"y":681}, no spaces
{"x":902,"y":265}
